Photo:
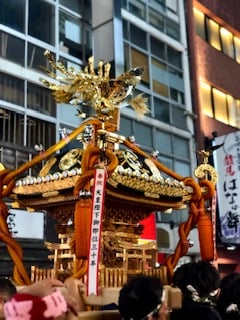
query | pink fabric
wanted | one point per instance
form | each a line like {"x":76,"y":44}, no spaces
{"x":28,"y":307}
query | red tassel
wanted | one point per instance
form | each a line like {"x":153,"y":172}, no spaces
{"x":205,"y":235}
{"x":82,"y":221}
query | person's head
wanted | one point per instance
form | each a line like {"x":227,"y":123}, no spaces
{"x":140,"y":297}
{"x":7,"y":290}
{"x":228,"y":303}
{"x":198,"y":281}
{"x":45,"y":299}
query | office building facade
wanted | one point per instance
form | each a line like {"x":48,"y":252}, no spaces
{"x":214,"y":52}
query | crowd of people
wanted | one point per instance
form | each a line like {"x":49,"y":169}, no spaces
{"x":205,"y":295}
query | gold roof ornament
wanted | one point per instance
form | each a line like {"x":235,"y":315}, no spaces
{"x":96,"y":89}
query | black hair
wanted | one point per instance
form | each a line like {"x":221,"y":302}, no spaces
{"x":229,"y":294}
{"x":140,"y":296}
{"x":201,"y":275}
{"x":7,"y":288}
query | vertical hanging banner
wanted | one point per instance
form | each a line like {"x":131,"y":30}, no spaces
{"x":96,"y":226}
{"x":227,"y":164}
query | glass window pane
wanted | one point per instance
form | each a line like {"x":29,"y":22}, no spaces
{"x":126,"y":126}
{"x":176,"y":82}
{"x":160,"y":78}
{"x":232,"y":110}
{"x":37,"y":60}
{"x":182,"y":168}
{"x":174,"y":57}
{"x":158,"y":48}
{"x":40,"y":99}
{"x":163,"y":142}
{"x":167,"y":161}
{"x":220,"y":106}
{"x":11,"y":89}
{"x":40,"y":132}
{"x":206,"y":102}
{"x":74,"y":5}
{"x":140,"y":60}
{"x":177,"y":96}
{"x":161,"y":110}
{"x":12,"y":14}
{"x":12,"y":48}
{"x":199,"y":23}
{"x":158,"y":4}
{"x":156,"y":19}
{"x":137,"y":8}
{"x":172,"y":5}
{"x":178,"y":117}
{"x":238,"y":114}
{"x":181,"y":147}
{"x":42,"y":24}
{"x":138,"y":36}
{"x":227,"y":42}
{"x":10,"y":127}
{"x":172,"y":29}
{"x":213,"y":34}
{"x":70,"y":34}
{"x":9,"y":158}
{"x":237,"y":49}
{"x":143,"y":134}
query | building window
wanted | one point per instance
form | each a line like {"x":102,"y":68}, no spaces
{"x":199,"y":18}
{"x":39,"y":132}
{"x":227,"y":42}
{"x":143,"y":134}
{"x":10,"y":129}
{"x":160,"y":79}
{"x":74,"y":5}
{"x":178,"y":117}
{"x":237,"y":48}
{"x":213,"y":34}
{"x":164,"y":64}
{"x":41,"y":24}
{"x":12,"y":48}
{"x":219,"y":105}
{"x":36,"y":59}
{"x":172,"y":29}
{"x":138,"y":8}
{"x":158,"y":48}
{"x":12,"y":14}
{"x":138,"y":37}
{"x":218,"y":37}
{"x":74,"y":35}
{"x":172,"y":5}
{"x":140,"y":59}
{"x":158,"y":13}
{"x":156,"y":19}
{"x":11,"y":89}
{"x":206,"y":101}
{"x":174,"y":151}
{"x":162,"y":110}
{"x":40,"y":99}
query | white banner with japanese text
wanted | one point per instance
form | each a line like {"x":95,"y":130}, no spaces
{"x":96,"y":227}
{"x":227,"y":164}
